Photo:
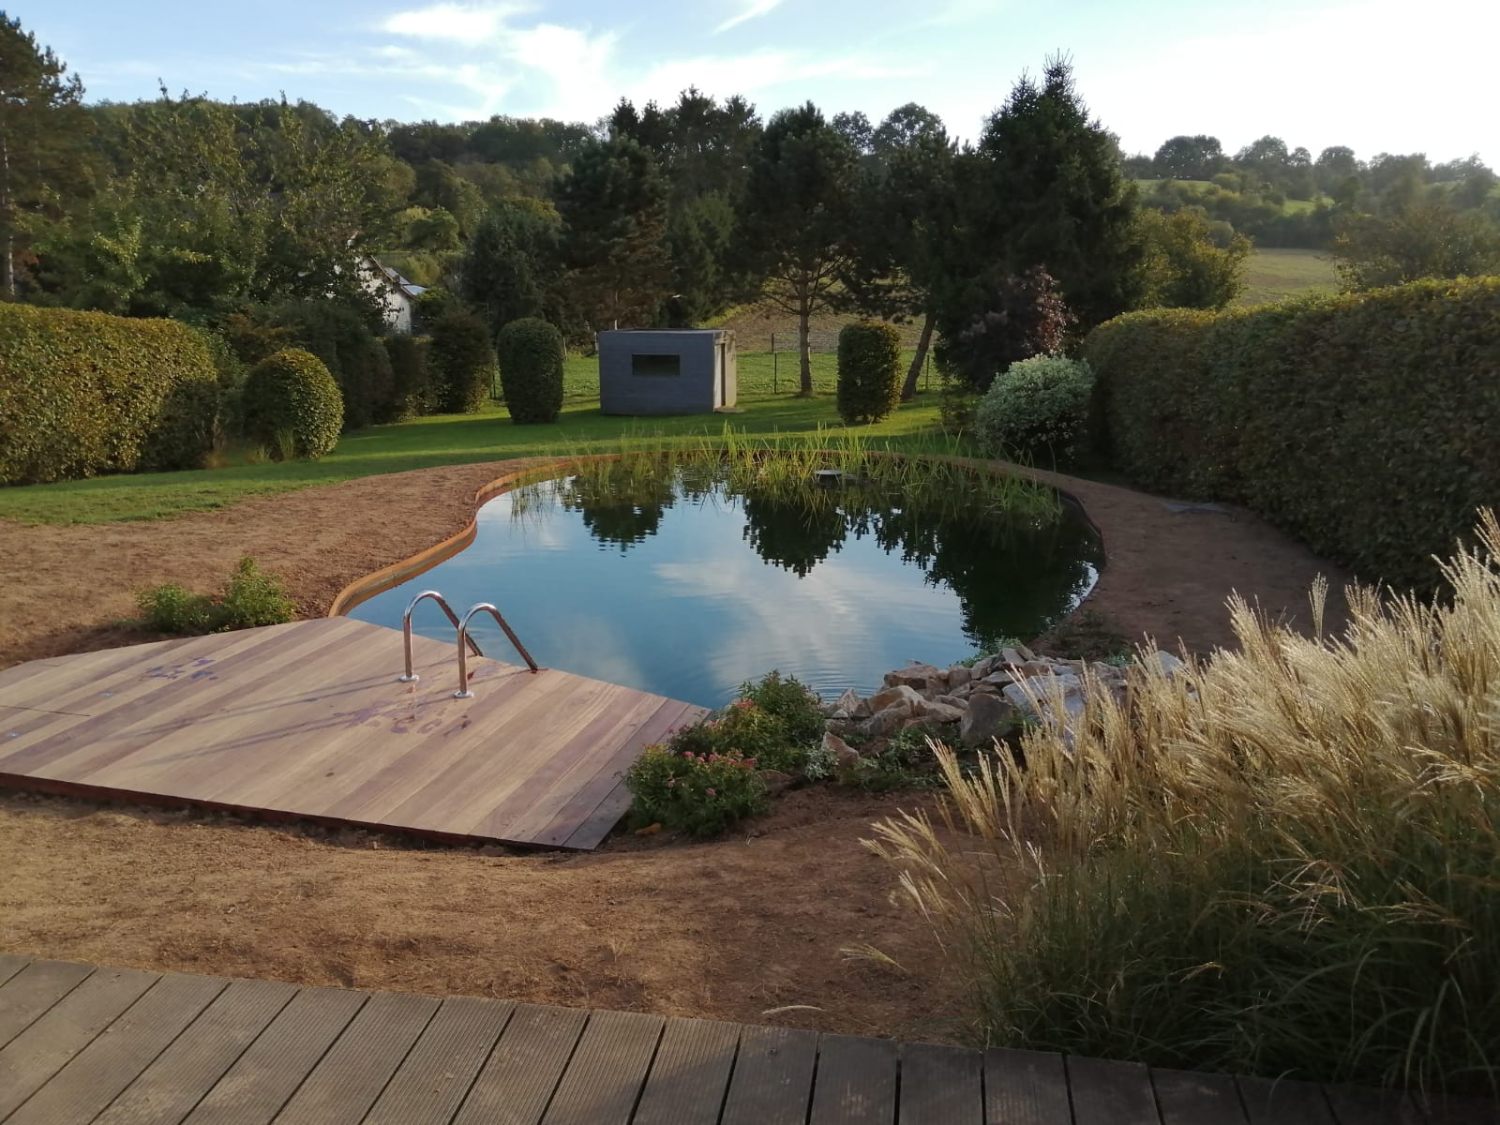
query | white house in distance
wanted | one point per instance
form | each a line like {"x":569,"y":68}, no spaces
{"x":397,"y":296}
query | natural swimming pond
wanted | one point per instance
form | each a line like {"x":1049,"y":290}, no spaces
{"x":687,"y":583}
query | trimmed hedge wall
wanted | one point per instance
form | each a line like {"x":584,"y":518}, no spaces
{"x":1367,"y":425}
{"x":83,"y":393}
{"x":869,"y":360}
{"x":531,"y":370}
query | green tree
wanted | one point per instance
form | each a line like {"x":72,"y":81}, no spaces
{"x":1184,"y":266}
{"x":509,"y":269}
{"x":796,"y":222}
{"x":1044,"y":187}
{"x":904,"y":218}
{"x":42,"y":130}
{"x":1198,"y":157}
{"x":613,"y":204}
{"x":1427,"y":238}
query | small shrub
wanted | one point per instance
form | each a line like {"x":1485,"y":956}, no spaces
{"x":531,"y":370}
{"x":789,"y":701}
{"x":462,"y":362}
{"x":698,"y":794}
{"x":346,"y":343}
{"x":251,"y":597}
{"x":291,"y":392}
{"x":905,"y":761}
{"x":175,"y":609}
{"x":1038,"y":409}
{"x":869,"y":371}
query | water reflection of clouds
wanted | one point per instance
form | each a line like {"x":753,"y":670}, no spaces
{"x":773,"y":618}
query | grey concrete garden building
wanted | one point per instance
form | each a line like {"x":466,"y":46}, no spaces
{"x":687,"y":371}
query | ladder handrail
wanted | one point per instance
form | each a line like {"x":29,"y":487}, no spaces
{"x":463,"y":691}
{"x":411,"y":677}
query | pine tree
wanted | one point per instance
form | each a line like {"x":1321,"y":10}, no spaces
{"x":613,"y":203}
{"x":1044,"y":188}
{"x":42,"y":127}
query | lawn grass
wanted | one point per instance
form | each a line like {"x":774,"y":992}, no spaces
{"x":1274,"y":275}
{"x":462,"y":439}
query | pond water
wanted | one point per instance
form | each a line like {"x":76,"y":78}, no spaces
{"x":688,"y":588}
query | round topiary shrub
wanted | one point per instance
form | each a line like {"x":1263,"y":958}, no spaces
{"x":292,"y":405}
{"x":531,"y":369}
{"x":461,"y":361}
{"x":1038,"y":407}
{"x":869,"y":371}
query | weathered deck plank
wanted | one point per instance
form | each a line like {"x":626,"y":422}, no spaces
{"x":773,"y":1077}
{"x":308,"y":720}
{"x":98,"y":1073}
{"x":855,"y":1082}
{"x":64,"y":1030}
{"x":121,"y":1047}
{"x":168,"y":1089}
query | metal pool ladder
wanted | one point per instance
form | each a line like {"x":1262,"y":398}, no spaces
{"x":466,"y":643}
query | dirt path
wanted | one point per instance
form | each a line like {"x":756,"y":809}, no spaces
{"x":744,"y":929}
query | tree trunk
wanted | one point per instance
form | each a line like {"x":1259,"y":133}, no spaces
{"x":804,"y":347}
{"x":914,"y":372}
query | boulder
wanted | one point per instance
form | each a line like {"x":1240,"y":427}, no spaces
{"x":922,"y":678}
{"x":958,"y":675}
{"x":984,"y":666}
{"x":1012,"y":656}
{"x":1169,"y":664}
{"x":952,"y":700}
{"x":846,"y":705}
{"x":986,"y":718}
{"x":843,"y":753}
{"x":935,"y":712}
{"x":1066,"y":685}
{"x":901,"y":695}
{"x":838,"y":726}
{"x":885,"y":722}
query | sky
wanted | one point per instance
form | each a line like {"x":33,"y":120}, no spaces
{"x":1376,"y":75}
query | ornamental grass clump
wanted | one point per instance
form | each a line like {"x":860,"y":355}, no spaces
{"x":1283,"y":859}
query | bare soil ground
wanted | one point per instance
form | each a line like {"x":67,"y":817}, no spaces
{"x":749,"y":928}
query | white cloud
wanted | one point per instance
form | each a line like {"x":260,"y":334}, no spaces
{"x":457,"y":23}
{"x":492,"y":60}
{"x":751,"y":11}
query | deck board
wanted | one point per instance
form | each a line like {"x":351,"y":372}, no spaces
{"x":97,"y":1074}
{"x":29,"y":1060}
{"x":149,"y":1049}
{"x":308,"y":720}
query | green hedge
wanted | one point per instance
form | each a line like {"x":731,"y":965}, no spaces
{"x":293,"y":405}
{"x":869,"y":359}
{"x":83,"y":393}
{"x":1367,"y":425}
{"x":531,"y":369}
{"x":462,"y":362}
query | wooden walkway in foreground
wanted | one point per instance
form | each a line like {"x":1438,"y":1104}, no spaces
{"x":123,"y":1047}
{"x":308,"y":721}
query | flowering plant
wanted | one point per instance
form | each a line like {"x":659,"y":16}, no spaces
{"x":699,"y":793}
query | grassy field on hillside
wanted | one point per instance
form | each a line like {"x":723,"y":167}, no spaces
{"x":1274,"y":275}
{"x":456,"y":439}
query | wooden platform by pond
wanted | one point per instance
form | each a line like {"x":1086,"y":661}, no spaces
{"x":308,"y":721}
{"x":125,"y":1047}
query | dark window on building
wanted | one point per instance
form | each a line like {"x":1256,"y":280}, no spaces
{"x":655,"y":364}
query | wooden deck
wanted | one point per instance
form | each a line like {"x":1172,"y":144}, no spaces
{"x":123,"y":1047}
{"x":308,"y":721}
